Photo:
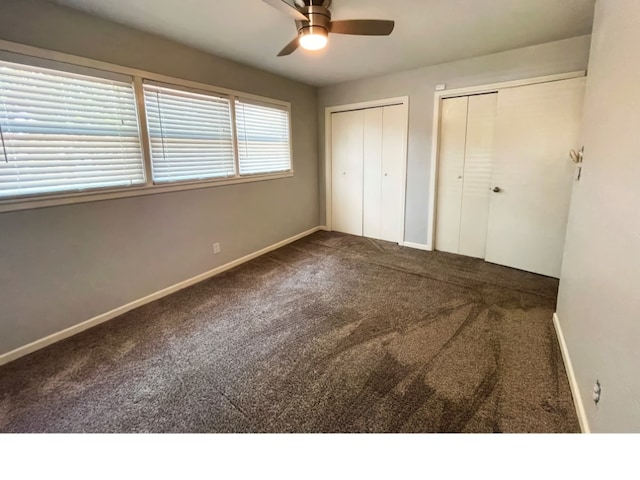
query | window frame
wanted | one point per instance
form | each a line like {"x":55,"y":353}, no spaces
{"x":236,"y":142}
{"x":19,"y":53}
{"x":109,"y":90}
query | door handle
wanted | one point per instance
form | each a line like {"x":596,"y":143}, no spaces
{"x":496,"y":189}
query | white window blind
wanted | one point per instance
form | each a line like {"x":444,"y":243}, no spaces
{"x":190,"y":134}
{"x":62,"y":131}
{"x":263,"y":138}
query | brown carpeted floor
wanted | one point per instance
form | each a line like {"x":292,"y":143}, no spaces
{"x":333,"y":333}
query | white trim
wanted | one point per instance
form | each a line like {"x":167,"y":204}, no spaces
{"x":457,"y":92}
{"x":324,"y":228}
{"x":68,"y":332}
{"x":328,"y":214}
{"x":143,"y":128}
{"x":383,"y":102}
{"x":417,"y":246}
{"x":405,"y":156}
{"x":435,"y":135}
{"x":404,"y":101}
{"x":575,"y":391}
{"x":234,"y":134}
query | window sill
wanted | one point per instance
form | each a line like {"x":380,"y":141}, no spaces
{"x":43,"y":201}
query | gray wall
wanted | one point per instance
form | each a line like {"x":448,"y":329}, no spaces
{"x":599,"y":299}
{"x":62,"y":265}
{"x":419,"y":85}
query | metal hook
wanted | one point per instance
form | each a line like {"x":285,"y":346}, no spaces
{"x":576,"y":157}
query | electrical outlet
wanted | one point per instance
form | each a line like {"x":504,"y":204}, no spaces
{"x":216,"y":248}
{"x":597,"y":392}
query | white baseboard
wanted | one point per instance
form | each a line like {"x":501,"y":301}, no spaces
{"x":324,"y":227}
{"x":575,"y":391}
{"x":68,"y":332}
{"x":417,"y":246}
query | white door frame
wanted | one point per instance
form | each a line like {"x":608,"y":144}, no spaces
{"x":437,"y":110}
{"x":404,"y":101}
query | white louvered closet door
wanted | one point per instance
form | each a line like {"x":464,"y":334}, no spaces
{"x":464,"y":177}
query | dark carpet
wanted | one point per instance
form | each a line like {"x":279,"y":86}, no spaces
{"x":333,"y":333}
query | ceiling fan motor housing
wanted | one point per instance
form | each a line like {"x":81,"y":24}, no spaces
{"x":313,"y":22}
{"x":319,"y":20}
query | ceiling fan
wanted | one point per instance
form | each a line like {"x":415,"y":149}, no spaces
{"x":314,"y":24}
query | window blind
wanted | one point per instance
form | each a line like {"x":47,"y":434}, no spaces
{"x":190,"y":134}
{"x":263,"y":138}
{"x":63,"y":131}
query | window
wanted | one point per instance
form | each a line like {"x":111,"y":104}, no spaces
{"x":263,"y":138}
{"x":74,"y":130}
{"x":190,"y":134}
{"x":62,"y":131}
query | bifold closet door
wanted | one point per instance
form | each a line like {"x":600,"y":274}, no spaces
{"x":464,"y":173}
{"x":532,"y":175}
{"x":384,"y":147}
{"x":368,"y":155}
{"x":372,"y":178}
{"x":394,"y":141}
{"x":476,"y":178}
{"x":453,"y":134}
{"x":347,"y":157}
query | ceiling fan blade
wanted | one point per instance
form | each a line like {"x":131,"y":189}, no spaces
{"x":287,"y":8}
{"x":291,"y":47}
{"x":363,"y":27}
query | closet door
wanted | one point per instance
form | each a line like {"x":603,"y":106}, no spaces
{"x":476,"y":177}
{"x":372,"y":172}
{"x":384,"y":148}
{"x":532,"y":175}
{"x":392,"y":186}
{"x":453,"y":132}
{"x":347,"y":130}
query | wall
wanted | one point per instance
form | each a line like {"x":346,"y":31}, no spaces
{"x":62,"y":265}
{"x":556,"y":57}
{"x":599,"y":298}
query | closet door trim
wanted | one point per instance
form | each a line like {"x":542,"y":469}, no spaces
{"x":387,"y":102}
{"x":437,"y":112}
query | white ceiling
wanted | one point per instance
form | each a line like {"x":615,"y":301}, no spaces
{"x":427,"y":32}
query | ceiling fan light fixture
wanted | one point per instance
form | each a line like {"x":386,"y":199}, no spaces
{"x":313,"y":38}
{"x":314,"y":23}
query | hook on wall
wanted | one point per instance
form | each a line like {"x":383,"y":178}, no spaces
{"x":576,"y":157}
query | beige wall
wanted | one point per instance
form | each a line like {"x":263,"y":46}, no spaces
{"x":599,"y":299}
{"x":62,"y":265}
{"x":419,"y":85}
